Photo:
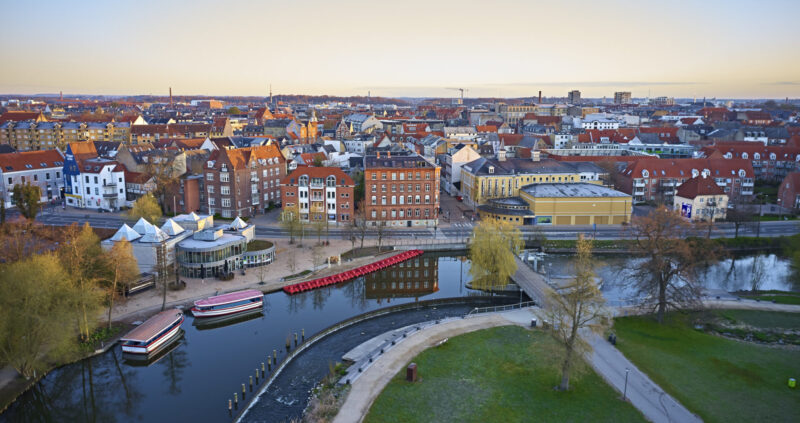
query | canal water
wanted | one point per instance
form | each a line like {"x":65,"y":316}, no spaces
{"x":194,"y":381}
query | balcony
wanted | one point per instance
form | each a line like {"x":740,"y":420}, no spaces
{"x":668,"y":184}
{"x":747,"y":184}
{"x":639,"y":184}
{"x":314,"y":185}
{"x":744,"y":192}
{"x":639,"y":191}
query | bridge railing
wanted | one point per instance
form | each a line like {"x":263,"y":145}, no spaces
{"x":495,"y":309}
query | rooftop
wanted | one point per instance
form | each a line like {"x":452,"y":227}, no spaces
{"x":581,"y":189}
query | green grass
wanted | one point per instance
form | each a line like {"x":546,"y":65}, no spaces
{"x":720,"y":379}
{"x":780,"y":297}
{"x":762,"y":319}
{"x":258,"y":245}
{"x":494,"y":375}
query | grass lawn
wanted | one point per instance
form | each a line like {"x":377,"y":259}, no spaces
{"x":762,"y":319}
{"x":493,"y":375}
{"x":720,"y":379}
{"x":780,"y":297}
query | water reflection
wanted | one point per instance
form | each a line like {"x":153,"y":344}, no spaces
{"x":411,"y":279}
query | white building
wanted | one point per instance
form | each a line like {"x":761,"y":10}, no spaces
{"x":41,"y":168}
{"x":599,"y":121}
{"x":100,"y":185}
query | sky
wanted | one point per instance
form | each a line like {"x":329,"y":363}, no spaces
{"x":504,"y":48}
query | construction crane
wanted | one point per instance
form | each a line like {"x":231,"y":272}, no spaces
{"x":463,"y":90}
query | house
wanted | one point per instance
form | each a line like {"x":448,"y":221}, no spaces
{"x":362,"y":123}
{"x":92,"y":180}
{"x":770,"y":163}
{"x":789,"y":192}
{"x":39,"y":168}
{"x":451,"y":167}
{"x":700,"y":198}
{"x":318,"y":194}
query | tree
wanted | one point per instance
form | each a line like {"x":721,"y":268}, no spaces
{"x":611,"y":175}
{"x":577,"y":306}
{"x":358,"y":191}
{"x":26,"y":197}
{"x":290,"y":222}
{"x":316,"y":256}
{"x":234,"y":110}
{"x":35,"y":313}
{"x":492,"y":251}
{"x":165,"y":175}
{"x":317,"y":161}
{"x":360,"y":221}
{"x":82,"y":259}
{"x":145,"y":207}
{"x":738,"y":216}
{"x":382,"y":231}
{"x":291,"y":262}
{"x":319,"y":228}
{"x":757,"y":273}
{"x":122,"y":269}
{"x":664,"y":277}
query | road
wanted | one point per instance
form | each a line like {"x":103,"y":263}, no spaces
{"x":58,"y":216}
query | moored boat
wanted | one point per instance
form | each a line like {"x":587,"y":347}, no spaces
{"x":224,"y":304}
{"x":153,"y":333}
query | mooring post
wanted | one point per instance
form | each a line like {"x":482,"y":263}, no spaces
{"x":275,"y":356}
{"x":303,"y":332}
{"x":230,"y":405}
{"x":262,"y":370}
{"x":236,"y":399}
{"x":295,"y":339}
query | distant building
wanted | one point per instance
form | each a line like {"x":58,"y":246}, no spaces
{"x":91,"y":180}
{"x":574,"y":97}
{"x":789,"y":192}
{"x":622,"y":97}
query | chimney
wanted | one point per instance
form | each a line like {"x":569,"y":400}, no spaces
{"x":170,"y":96}
{"x":389,"y":154}
{"x":501,"y":154}
{"x":379,"y":154}
{"x":535,"y":156}
{"x":61,"y":95}
{"x":540,"y":96}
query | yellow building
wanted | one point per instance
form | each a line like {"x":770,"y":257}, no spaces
{"x":561,"y":204}
{"x":488,"y":178}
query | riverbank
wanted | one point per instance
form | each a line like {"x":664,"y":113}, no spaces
{"x":143,"y":305}
{"x":627,"y":246}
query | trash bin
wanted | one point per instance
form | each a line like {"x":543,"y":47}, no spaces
{"x":411,"y":372}
{"x":533,"y":323}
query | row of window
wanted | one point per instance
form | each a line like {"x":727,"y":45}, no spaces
{"x":403,"y":176}
{"x":394,"y":200}
{"x":401,"y":213}
{"x":35,"y":178}
{"x":402,"y":187}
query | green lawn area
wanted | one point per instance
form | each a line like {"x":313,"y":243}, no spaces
{"x":494,"y":375}
{"x":721,"y":380}
{"x":780,"y":297}
{"x":762,"y":319}
{"x":258,"y":245}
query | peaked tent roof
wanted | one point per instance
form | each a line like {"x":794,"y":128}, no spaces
{"x":153,"y":234}
{"x":141,"y":226}
{"x":125,"y":232}
{"x":171,"y":228}
{"x":238,"y":224}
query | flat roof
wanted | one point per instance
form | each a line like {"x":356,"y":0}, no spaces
{"x":196,"y":244}
{"x":565,"y":190}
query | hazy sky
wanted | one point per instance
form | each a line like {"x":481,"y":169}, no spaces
{"x":725,"y":48}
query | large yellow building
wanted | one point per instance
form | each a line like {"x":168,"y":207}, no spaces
{"x":487,"y":178}
{"x":561,"y":204}
{"x":32,"y":135}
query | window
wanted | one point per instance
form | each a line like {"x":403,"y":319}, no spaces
{"x":212,"y":201}
{"x":226,"y":202}
{"x":225,"y":190}
{"x":374,"y":200}
{"x":427,"y":187}
{"x":209,"y":176}
{"x":383,"y":200}
{"x":417,"y":199}
{"x":331,"y":182}
{"x":211,"y":189}
{"x":374,"y":177}
{"x":401,"y":199}
{"x":427,"y":199}
{"x":224,"y":177}
{"x":374,"y":214}
{"x":394,"y":200}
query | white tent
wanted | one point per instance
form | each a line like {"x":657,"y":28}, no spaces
{"x":141,"y":226}
{"x":238,"y":224}
{"x":153,"y":234}
{"x":126,"y":233}
{"x":171,"y":228}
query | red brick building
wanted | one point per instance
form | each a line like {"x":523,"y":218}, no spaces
{"x":654,"y":179}
{"x":789,"y":192}
{"x":401,"y":189}
{"x":318,"y":194}
{"x":243,"y":181}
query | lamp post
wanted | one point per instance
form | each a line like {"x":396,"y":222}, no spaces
{"x":625,"y":390}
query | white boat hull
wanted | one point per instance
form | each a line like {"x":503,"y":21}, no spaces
{"x":225,"y":311}
{"x":153,"y":345}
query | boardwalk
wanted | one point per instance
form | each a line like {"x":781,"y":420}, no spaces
{"x":532,"y":283}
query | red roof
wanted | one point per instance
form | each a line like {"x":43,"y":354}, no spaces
{"x":240,"y":158}
{"x":510,"y":139}
{"x":699,"y":185}
{"x":683,"y":168}
{"x":18,"y":116}
{"x":486,"y":128}
{"x":308,"y":158}
{"x":19,"y":161}
{"x":738,"y":149}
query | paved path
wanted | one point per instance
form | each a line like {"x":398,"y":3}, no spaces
{"x":532,"y":283}
{"x":656,"y":405}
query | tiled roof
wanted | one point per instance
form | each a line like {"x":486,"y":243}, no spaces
{"x":682,"y":168}
{"x":18,"y":161}
{"x":318,"y":172}
{"x":699,"y":185}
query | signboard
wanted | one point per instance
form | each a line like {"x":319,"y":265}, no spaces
{"x":686,"y":210}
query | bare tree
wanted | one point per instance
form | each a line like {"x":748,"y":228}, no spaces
{"x":665,"y":274}
{"x":316,"y":256}
{"x":382,"y":231}
{"x":577,"y":306}
{"x":122,"y":268}
{"x":757,"y":273}
{"x":738,"y":216}
{"x":360,"y":221}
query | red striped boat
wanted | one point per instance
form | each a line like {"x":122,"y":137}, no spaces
{"x":153,"y":333}
{"x":225,"y":304}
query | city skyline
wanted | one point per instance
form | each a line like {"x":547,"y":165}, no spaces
{"x":711,"y":49}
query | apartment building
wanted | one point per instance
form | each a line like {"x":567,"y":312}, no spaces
{"x":41,"y":168}
{"x":32,"y":135}
{"x":622,"y":97}
{"x":243,"y":181}
{"x":653,"y":179}
{"x":770,"y":162}
{"x":92,"y":181}
{"x":318,"y":194}
{"x":401,"y":189}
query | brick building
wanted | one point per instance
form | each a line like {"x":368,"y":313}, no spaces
{"x":243,"y":181}
{"x":770,"y":162}
{"x":318,"y":194}
{"x":401,"y":189}
{"x":789,"y":192}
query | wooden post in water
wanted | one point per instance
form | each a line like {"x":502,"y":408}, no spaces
{"x":275,"y":356}
{"x":236,"y":399}
{"x":295,"y":339}
{"x":262,"y":369}
{"x":244,"y":392}
{"x":256,"y":375}
{"x":251,"y":383}
{"x":303,"y":331}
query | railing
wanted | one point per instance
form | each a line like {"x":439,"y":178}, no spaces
{"x":495,"y":309}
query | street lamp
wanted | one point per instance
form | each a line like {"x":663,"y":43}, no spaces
{"x":625,"y":390}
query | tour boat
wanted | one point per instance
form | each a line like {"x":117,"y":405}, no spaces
{"x":234,"y":302}
{"x":153,"y":333}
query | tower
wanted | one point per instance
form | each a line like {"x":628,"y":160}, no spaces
{"x":170,"y":96}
